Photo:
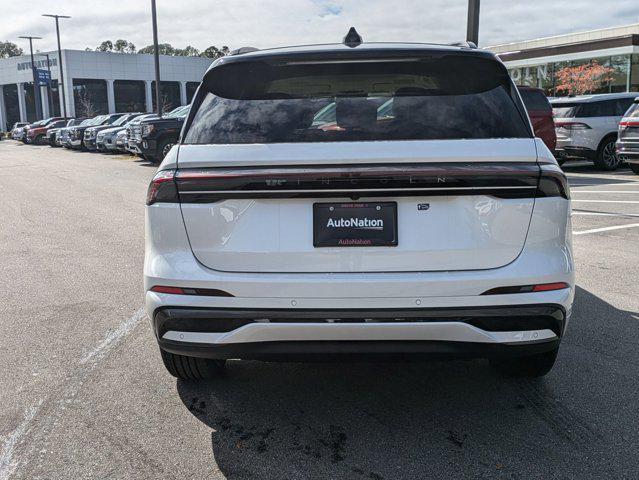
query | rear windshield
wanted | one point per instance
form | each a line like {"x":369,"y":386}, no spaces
{"x":633,"y":111}
{"x":452,"y":97}
{"x":534,"y":100}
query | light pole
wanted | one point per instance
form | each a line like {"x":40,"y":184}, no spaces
{"x":156,"y":54}
{"x":36,"y":86}
{"x":472,"y":28}
{"x":57,"y":31}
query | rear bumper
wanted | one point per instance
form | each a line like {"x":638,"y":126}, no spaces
{"x":575,"y":152}
{"x":260,"y":334}
{"x":356,"y":350}
{"x":628,"y":151}
{"x":133,"y":147}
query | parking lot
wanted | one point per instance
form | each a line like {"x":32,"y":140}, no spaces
{"x":86,"y":396}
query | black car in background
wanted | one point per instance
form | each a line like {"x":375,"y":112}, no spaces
{"x":152,"y":139}
{"x":76,"y":134}
{"x":91,"y":133}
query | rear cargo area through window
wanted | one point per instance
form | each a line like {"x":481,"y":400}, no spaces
{"x":435,"y":97}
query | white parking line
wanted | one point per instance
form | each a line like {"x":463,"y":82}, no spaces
{"x":605,"y":201}
{"x":114,"y":336}
{"x":603,"y":184}
{"x":605,"y":191}
{"x":606,"y":214}
{"x":605,"y":229}
{"x":8,"y":463}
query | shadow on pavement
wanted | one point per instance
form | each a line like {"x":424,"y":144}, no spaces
{"x":431,"y":420}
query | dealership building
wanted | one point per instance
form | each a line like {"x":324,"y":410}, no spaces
{"x":537,"y":62}
{"x":94,"y":83}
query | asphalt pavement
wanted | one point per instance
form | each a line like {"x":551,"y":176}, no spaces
{"x":84,"y":394}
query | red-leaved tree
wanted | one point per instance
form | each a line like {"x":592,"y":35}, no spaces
{"x":582,"y":78}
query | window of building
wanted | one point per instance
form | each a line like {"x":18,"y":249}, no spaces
{"x":53,"y":98}
{"x":129,"y":96}
{"x":634,"y":73}
{"x":90,"y":97}
{"x":191,"y":87}
{"x":169,"y":95}
{"x":620,"y":65}
{"x":29,"y":101}
{"x":12,"y":109}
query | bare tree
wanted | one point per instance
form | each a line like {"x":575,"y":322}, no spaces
{"x":166,"y":105}
{"x":87,"y":107}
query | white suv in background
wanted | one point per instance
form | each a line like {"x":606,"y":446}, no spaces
{"x":587,"y":127}
{"x":422,"y":219}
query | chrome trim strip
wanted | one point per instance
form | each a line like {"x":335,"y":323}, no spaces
{"x":329,"y":190}
{"x":409,"y":331}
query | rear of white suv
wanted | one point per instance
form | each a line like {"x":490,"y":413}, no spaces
{"x":586,"y":127}
{"x":420,"y":219}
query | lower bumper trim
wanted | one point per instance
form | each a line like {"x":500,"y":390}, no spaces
{"x":338,"y":351}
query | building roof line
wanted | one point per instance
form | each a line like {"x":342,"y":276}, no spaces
{"x":567,"y":38}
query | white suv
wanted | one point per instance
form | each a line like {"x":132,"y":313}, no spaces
{"x":586,"y":127}
{"x":422,"y":219}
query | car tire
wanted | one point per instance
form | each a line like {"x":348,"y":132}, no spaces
{"x":529,"y":366}
{"x":39,"y":140}
{"x":192,"y":368}
{"x":164,"y":148}
{"x":607,"y":158}
{"x":634,"y":167}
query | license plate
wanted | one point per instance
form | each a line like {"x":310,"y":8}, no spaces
{"x":370,"y":224}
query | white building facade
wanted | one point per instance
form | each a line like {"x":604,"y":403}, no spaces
{"x":538,"y":62}
{"x":95,"y":83}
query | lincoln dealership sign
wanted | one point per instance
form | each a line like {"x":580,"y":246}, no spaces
{"x":38,"y":64}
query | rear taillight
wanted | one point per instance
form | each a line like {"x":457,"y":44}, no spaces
{"x":543,"y":287}
{"x":205,"y":292}
{"x":574,"y":126}
{"x":553,"y":182}
{"x":162,"y":188}
{"x":629,"y":124}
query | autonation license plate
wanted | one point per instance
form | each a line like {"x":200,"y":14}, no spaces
{"x":358,"y":224}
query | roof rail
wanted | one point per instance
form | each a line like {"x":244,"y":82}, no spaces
{"x":467,"y":44}
{"x":241,"y":50}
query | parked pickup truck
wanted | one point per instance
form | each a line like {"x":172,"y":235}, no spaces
{"x":153,"y":138}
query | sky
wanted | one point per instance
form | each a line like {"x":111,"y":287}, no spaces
{"x":272,"y":23}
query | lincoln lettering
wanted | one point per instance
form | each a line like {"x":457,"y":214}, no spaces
{"x":375,"y":223}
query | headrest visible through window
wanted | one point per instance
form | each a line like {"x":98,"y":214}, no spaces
{"x":355,"y":113}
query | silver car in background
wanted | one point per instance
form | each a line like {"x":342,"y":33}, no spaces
{"x":53,"y":134}
{"x":17,"y":132}
{"x":106,"y":139}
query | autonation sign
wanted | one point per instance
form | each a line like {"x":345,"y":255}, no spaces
{"x":38,"y":64}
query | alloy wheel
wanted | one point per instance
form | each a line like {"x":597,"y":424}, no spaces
{"x":166,"y":149}
{"x":609,"y":155}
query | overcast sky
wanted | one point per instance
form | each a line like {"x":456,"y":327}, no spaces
{"x":268,"y":23}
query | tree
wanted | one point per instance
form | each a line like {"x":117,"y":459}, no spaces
{"x":120,"y":46}
{"x":188,"y":51}
{"x":106,"y":46}
{"x":86,"y":107}
{"x":123,"y":46}
{"x":583,"y":79}
{"x":214,"y":52}
{"x":163,"y":49}
{"x":8,"y":49}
